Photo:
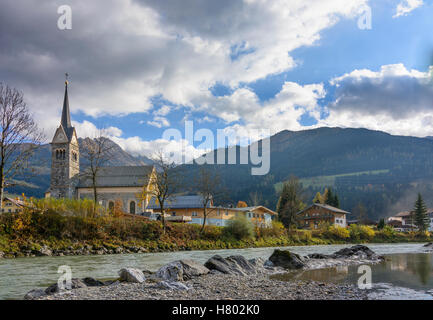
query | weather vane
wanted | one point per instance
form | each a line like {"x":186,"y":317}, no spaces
{"x":66,"y":77}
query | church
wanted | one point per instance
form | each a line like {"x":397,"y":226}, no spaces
{"x":119,"y":185}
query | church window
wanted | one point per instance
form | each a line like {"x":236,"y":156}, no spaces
{"x":111,"y":206}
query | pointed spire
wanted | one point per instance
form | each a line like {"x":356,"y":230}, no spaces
{"x":66,"y":117}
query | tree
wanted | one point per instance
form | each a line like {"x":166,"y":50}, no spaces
{"x":19,"y":137}
{"x":420,"y":214}
{"x":97,"y":152}
{"x":255,"y":198}
{"x":208,"y":185}
{"x":241,"y":204}
{"x":332,"y":199}
{"x":290,"y":202}
{"x":164,"y":182}
{"x":381,"y":224}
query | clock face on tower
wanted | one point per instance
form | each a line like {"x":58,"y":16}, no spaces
{"x":61,"y":136}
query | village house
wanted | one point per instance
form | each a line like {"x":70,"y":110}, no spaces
{"x":189,"y":209}
{"x":13,"y":205}
{"x":114,"y":184}
{"x":405,"y":221}
{"x":316,"y":214}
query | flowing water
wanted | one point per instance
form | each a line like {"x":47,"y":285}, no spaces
{"x":406,"y":268}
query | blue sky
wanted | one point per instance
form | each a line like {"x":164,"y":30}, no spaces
{"x":285,"y":66}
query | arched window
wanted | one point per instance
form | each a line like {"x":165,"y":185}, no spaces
{"x":64,"y":155}
{"x":57,"y":154}
{"x":111,"y":206}
{"x":132,"y":207}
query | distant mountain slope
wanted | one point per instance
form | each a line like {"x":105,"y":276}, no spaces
{"x":37,"y":183}
{"x":374,"y":162}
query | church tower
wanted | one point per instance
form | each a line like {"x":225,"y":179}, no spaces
{"x":65,"y":156}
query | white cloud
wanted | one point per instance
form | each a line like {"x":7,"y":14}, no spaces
{"x":159,"y":122}
{"x":163,"y":111}
{"x":393,"y":99}
{"x":88,"y":129}
{"x":407,"y":6}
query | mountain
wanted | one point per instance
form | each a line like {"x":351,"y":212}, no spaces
{"x":380,"y":170}
{"x":37,"y":182}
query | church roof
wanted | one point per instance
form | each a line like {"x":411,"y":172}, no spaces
{"x":180,"y":202}
{"x":127,"y":176}
{"x":66,"y":116}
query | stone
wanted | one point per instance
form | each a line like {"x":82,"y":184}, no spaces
{"x":131,"y":275}
{"x":45,"y":251}
{"x":286,"y":259}
{"x":172,"y":285}
{"x":75,"y":284}
{"x":358,"y":251}
{"x":35,"y":293}
{"x":90,"y":282}
{"x":231,"y":265}
{"x":1,"y":254}
{"x":268,"y":264}
{"x":181,"y":270}
{"x":427,"y":245}
{"x":318,"y":256}
{"x":118,"y":250}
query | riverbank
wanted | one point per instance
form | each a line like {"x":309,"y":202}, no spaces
{"x":221,"y":278}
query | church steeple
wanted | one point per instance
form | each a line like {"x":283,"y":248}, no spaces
{"x":66,"y":117}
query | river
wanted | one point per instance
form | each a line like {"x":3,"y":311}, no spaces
{"x":18,"y":276}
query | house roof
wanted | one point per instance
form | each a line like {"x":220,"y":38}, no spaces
{"x":127,"y":176}
{"x":248,"y":209}
{"x":325,"y":206}
{"x":180,"y":202}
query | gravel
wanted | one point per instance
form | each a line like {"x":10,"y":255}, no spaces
{"x":218,"y":287}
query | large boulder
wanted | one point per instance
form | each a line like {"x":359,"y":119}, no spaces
{"x":44,"y":251}
{"x":90,"y":282}
{"x":181,"y":270}
{"x":75,"y":284}
{"x":1,"y":254}
{"x":427,"y":245}
{"x":131,"y":275}
{"x":286,"y":259}
{"x":358,"y":252}
{"x":231,"y":265}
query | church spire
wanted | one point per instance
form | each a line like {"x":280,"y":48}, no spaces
{"x":66,"y":117}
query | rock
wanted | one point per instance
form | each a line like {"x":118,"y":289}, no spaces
{"x":118,"y":250}
{"x":181,"y":270}
{"x":35,"y":293}
{"x":1,"y":254}
{"x":172,"y":285}
{"x":75,"y":284}
{"x":231,"y":265}
{"x":318,"y":256}
{"x":268,"y":264}
{"x":45,"y":251}
{"x":286,"y":259}
{"x":427,"y":245}
{"x":131,"y":275}
{"x":90,"y":282}
{"x":359,"y":251}
{"x":257,"y":262}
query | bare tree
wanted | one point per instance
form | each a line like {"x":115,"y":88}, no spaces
{"x":19,"y":136}
{"x":208,"y":185}
{"x":97,"y":153}
{"x":255,"y":198}
{"x":164,"y":182}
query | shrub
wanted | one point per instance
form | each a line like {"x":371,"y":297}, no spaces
{"x":276,"y":229}
{"x":361,"y":232}
{"x":239,"y":228}
{"x":337,"y":233}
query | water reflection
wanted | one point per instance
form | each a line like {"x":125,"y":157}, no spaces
{"x":408,"y":270}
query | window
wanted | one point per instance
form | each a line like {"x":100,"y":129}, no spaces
{"x":173,"y":214}
{"x":110,"y":206}
{"x":194,"y":214}
{"x":227,"y":212}
{"x":132,"y":207}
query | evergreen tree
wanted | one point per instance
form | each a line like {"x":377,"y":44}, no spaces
{"x":420,"y":214}
{"x":381,"y":224}
{"x":330,"y":198}
{"x":290,"y":202}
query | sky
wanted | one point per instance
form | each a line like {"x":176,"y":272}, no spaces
{"x":140,"y":67}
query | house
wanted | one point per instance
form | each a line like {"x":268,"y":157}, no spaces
{"x":189,"y":209}
{"x":407,"y":220}
{"x":114,"y":184}
{"x":13,"y":205}
{"x":317,"y":213}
